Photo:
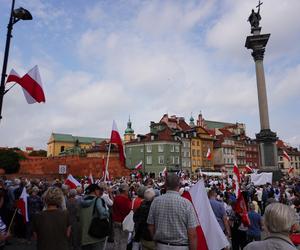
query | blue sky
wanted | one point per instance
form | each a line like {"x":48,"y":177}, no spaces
{"x":105,"y":60}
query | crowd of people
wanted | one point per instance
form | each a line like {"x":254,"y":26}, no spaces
{"x":60,"y":217}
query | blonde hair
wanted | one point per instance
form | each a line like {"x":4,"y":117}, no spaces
{"x":53,"y":196}
{"x":279,"y":218}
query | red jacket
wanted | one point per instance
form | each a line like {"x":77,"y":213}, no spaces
{"x":121,"y":207}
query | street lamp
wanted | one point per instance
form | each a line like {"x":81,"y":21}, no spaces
{"x":15,"y":16}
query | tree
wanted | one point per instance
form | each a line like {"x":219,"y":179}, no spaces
{"x":9,"y":160}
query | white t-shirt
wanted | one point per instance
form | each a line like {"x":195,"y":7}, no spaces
{"x":259,"y":194}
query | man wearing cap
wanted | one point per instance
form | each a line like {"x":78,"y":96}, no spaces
{"x":120,"y":209}
{"x":172,"y":220}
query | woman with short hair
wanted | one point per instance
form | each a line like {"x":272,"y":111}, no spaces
{"x":279,"y":221}
{"x":52,"y":226}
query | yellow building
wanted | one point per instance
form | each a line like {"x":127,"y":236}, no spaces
{"x":59,"y":143}
{"x":201,"y":141}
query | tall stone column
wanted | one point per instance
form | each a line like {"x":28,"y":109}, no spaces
{"x":266,"y":138}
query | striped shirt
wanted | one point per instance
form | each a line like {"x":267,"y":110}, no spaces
{"x":172,"y":215}
{"x":2,"y":230}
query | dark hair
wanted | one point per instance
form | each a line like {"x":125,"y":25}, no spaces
{"x":92,"y":188}
{"x":172,"y":181}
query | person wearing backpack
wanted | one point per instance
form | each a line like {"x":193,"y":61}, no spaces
{"x":92,"y":205}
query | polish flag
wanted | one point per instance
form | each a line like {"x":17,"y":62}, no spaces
{"x":139,"y":166}
{"x":208,"y":154}
{"x":14,"y":77}
{"x":164,"y":172}
{"x":237,"y":179}
{"x":31,"y":84}
{"x":209,"y":225}
{"x":241,"y":208}
{"x":291,"y":170}
{"x":72,"y":182}
{"x":116,"y":138}
{"x":22,"y":205}
{"x":91,"y":179}
{"x":248,"y":169}
{"x":286,"y":156}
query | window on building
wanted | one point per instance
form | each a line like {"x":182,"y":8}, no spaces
{"x":142,"y":150}
{"x":188,"y":163}
{"x":198,"y":143}
{"x":161,"y":159}
{"x":193,"y":143}
{"x":198,"y":153}
{"x":152,"y":137}
{"x":160,"y":148}
{"x":172,"y":160}
{"x":176,"y":159}
{"x":193,"y":152}
{"x":149,"y":159}
{"x":176,"y":148}
{"x":172,"y":148}
{"x":62,"y":148}
{"x":149,"y":148}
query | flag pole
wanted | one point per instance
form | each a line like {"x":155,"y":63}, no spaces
{"x":107,"y":161}
{"x":12,"y":219}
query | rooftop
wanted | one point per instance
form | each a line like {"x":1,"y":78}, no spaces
{"x":58,"y":137}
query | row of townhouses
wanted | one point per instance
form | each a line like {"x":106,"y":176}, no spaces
{"x":174,"y":144}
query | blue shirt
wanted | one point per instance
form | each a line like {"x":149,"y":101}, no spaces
{"x":219,"y":211}
{"x":255,"y":224}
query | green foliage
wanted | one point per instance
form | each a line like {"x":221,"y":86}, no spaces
{"x":9,"y":160}
{"x":40,"y":153}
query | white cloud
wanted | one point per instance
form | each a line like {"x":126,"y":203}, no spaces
{"x":154,"y":58}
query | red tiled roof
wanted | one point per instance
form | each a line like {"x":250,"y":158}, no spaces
{"x":226,"y":132}
{"x":175,"y":122}
{"x":163,"y":135}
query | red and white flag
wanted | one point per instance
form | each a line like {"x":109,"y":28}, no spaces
{"x":208,"y":223}
{"x":164,"y":172}
{"x":116,"y":138}
{"x":241,"y":208}
{"x":237,"y":179}
{"x":208,"y":154}
{"x":286,"y":156}
{"x":13,"y":77}
{"x":291,"y":170}
{"x":248,"y":169}
{"x":91,"y":179}
{"x":139,"y":166}
{"x":22,"y":205}
{"x":72,"y":182}
{"x":31,"y":83}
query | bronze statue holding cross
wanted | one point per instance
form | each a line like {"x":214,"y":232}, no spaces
{"x":255,"y":17}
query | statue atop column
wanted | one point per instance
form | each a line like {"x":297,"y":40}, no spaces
{"x":254,"y":18}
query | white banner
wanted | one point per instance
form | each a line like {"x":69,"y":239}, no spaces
{"x":261,"y":179}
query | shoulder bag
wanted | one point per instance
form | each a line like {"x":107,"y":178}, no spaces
{"x":99,"y":228}
{"x":128,"y":223}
